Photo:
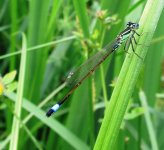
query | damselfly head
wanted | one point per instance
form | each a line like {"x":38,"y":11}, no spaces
{"x":133,"y":25}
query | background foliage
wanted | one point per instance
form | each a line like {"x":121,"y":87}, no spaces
{"x":57,"y":37}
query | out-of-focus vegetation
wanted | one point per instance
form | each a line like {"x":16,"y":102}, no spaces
{"x":44,"y":40}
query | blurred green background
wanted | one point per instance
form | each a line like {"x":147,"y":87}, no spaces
{"x":59,"y":35}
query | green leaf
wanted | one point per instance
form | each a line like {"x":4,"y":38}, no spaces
{"x":9,"y":77}
{"x":12,"y":87}
{"x":134,"y":113}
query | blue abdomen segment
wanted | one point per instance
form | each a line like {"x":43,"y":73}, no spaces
{"x":52,"y":110}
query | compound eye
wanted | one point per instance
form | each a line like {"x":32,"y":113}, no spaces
{"x":136,"y":25}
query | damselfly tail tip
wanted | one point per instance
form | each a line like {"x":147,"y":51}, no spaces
{"x":52,"y":110}
{"x":49,"y":113}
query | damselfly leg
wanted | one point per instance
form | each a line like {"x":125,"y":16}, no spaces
{"x":129,"y":43}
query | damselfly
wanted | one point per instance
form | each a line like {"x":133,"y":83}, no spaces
{"x":74,"y":79}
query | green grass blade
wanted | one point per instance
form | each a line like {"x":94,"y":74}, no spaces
{"x":38,"y":21}
{"x":28,"y":117}
{"x":149,"y":124}
{"x":153,"y":61}
{"x":38,"y":47}
{"x":80,"y":103}
{"x":18,"y":104}
{"x":135,"y":6}
{"x":3,"y":9}
{"x":81,"y":11}
{"x":14,"y":26}
{"x":52,"y":123}
{"x":53,"y":18}
{"x":127,"y":79}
